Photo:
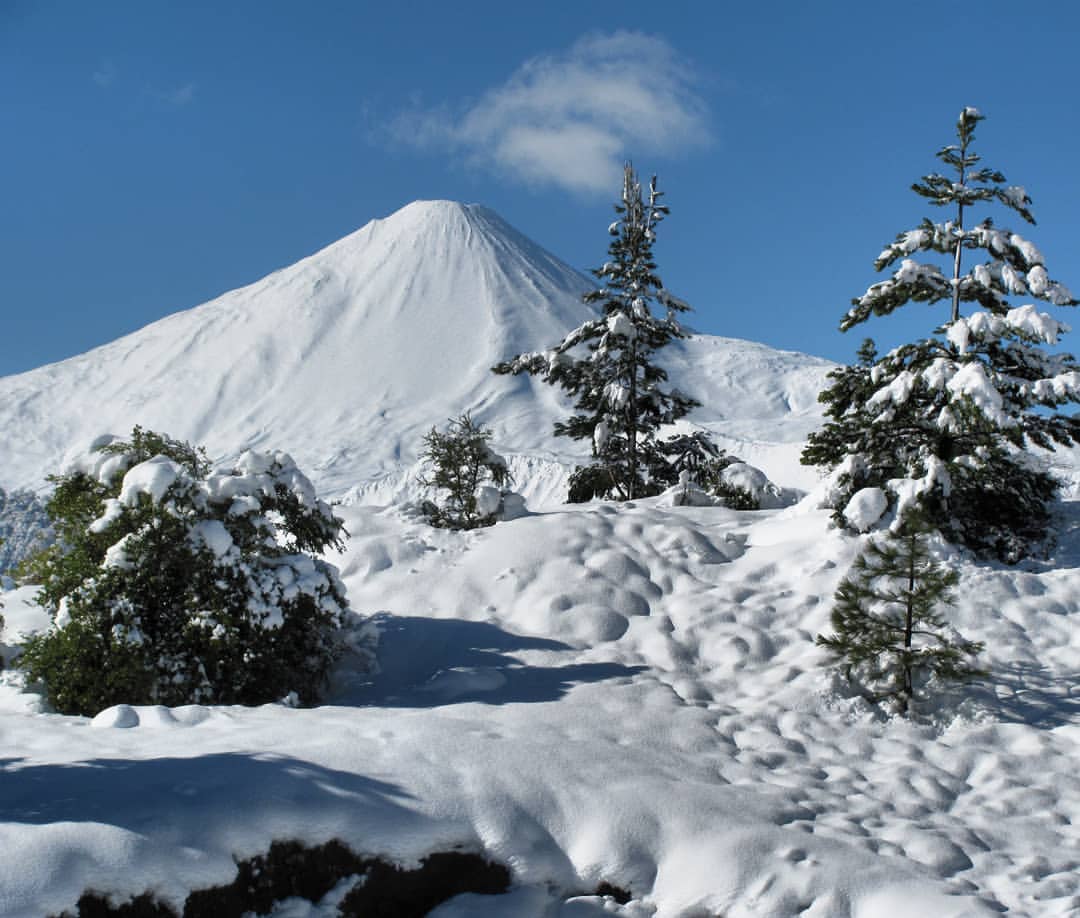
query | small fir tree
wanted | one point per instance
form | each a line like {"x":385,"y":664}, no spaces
{"x":621,"y":400}
{"x":944,"y":422}
{"x":889,"y":633}
{"x":463,"y":465}
{"x":172,"y":583}
{"x":693,"y":452}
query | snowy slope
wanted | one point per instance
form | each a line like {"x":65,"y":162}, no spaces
{"x":626,"y":694}
{"x":348,"y":357}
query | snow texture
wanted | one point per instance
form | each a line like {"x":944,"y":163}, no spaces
{"x":623,"y":693}
{"x":865,"y":508}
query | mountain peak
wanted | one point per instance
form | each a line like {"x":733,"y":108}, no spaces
{"x":344,"y":359}
{"x":347,"y":358}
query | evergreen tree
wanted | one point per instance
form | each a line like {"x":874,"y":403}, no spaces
{"x":944,"y":422}
{"x":620,"y":396}
{"x":172,"y":583}
{"x":462,"y":464}
{"x":889,"y":633}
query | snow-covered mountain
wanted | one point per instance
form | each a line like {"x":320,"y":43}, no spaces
{"x":621,"y":704}
{"x":346,"y":358}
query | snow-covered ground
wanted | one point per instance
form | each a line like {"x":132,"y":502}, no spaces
{"x":622,"y":693}
{"x":618,"y":693}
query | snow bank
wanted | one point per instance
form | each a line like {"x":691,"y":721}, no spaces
{"x":609,"y":693}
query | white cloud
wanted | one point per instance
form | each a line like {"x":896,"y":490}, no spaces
{"x":571,"y":119}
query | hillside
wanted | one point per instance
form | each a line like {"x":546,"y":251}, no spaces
{"x":346,"y":358}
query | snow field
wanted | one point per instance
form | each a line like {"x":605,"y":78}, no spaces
{"x":622,"y":693}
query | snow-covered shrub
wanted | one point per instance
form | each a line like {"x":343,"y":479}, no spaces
{"x":172,"y":583}
{"x":944,"y":423}
{"x":470,"y":473}
{"x":687,"y":493}
{"x":889,"y":636}
{"x":735,"y":496}
{"x":742,"y":486}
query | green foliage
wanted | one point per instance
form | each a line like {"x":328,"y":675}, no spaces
{"x":889,"y":634}
{"x":588,"y":482}
{"x":172,"y":584}
{"x":734,"y":496}
{"x":462,"y":464}
{"x":693,"y":453}
{"x":620,"y":397}
{"x":948,"y":419}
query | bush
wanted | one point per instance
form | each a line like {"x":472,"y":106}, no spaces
{"x":462,"y":464}
{"x":172,"y":584}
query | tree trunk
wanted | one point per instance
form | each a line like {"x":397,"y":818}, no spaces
{"x":631,"y":427}
{"x":959,"y":240}
{"x":909,"y":619}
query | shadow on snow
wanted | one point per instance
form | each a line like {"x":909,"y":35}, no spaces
{"x":204,"y":790}
{"x":1030,"y":693}
{"x":427,"y":662}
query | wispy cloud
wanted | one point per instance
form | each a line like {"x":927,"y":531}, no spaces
{"x":570,"y":119}
{"x":180,"y":96}
{"x":105,"y":75}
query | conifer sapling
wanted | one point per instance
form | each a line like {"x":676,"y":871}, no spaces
{"x":462,"y":465}
{"x":889,"y":633}
{"x":944,"y":423}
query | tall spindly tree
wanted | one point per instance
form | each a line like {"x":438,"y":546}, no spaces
{"x":945,"y":422}
{"x":608,"y":363}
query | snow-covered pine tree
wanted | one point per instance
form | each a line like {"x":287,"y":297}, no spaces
{"x":621,"y":400}
{"x":943,"y":423}
{"x":889,"y":633}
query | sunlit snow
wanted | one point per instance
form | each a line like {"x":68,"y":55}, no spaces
{"x":601,"y":693}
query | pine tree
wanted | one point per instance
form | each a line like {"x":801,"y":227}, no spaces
{"x":944,"y":422}
{"x":462,"y":464}
{"x":620,"y":396}
{"x":889,"y":633}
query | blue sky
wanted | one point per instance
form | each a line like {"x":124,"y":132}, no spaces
{"x":155,"y":155}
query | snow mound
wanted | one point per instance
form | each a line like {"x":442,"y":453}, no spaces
{"x":628,"y":694}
